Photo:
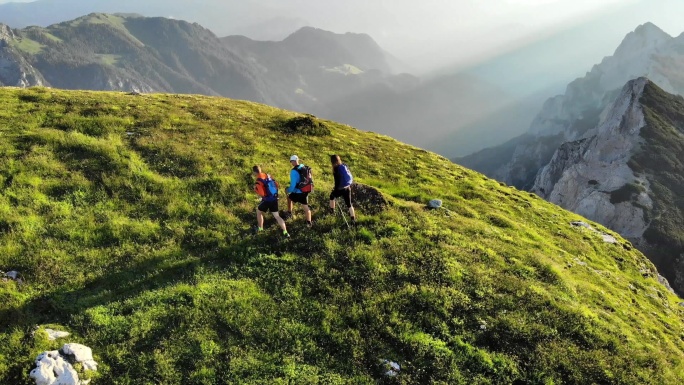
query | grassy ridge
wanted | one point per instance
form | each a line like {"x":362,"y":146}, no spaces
{"x":129,"y":218}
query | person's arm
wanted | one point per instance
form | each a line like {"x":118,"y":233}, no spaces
{"x":294,"y":179}
{"x":336,"y":174}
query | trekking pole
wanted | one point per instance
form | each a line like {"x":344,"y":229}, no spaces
{"x":342,"y":212}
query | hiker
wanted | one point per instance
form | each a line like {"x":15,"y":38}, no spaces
{"x":267,"y":188}
{"x":343,"y":182}
{"x":301,"y":185}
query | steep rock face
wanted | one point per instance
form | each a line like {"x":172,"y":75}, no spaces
{"x":626,"y":174}
{"x":647,"y":52}
{"x":14,"y":69}
{"x":583,"y":173}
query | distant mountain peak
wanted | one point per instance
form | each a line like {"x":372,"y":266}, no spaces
{"x":650,"y":29}
{"x":645,"y":37}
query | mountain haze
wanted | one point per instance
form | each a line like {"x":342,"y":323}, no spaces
{"x":648,"y":52}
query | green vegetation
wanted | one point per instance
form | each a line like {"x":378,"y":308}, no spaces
{"x":307,"y":125}
{"x":129,"y":218}
{"x":626,"y":193}
{"x":662,"y":160}
{"x":29,"y":46}
{"x":106,"y":59}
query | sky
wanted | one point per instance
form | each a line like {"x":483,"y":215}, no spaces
{"x":429,"y":34}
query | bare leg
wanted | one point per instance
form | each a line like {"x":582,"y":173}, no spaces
{"x":352,"y":213}
{"x":332,"y":204}
{"x":280,"y":221}
{"x":260,"y":219}
{"x":307,"y":210}
{"x":290,"y":204}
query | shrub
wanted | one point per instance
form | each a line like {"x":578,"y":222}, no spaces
{"x":302,"y":125}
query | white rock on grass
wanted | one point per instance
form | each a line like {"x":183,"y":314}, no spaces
{"x":12,"y":274}
{"x":54,"y":367}
{"x":82,"y":354}
{"x":607,"y":238}
{"x":393,"y":368}
{"x":55,"y":334}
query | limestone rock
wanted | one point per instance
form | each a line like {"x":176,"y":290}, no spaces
{"x":606,"y":237}
{"x":55,"y":334}
{"x":435,"y":204}
{"x":55,"y":367}
{"x":12,"y":274}
{"x":82,"y":354}
{"x":663,"y":281}
{"x":392,"y":369}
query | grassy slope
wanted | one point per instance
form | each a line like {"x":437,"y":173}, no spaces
{"x":137,"y":245}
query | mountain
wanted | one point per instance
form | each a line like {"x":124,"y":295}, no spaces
{"x":134,"y":53}
{"x":626,"y":174}
{"x":313,"y":68}
{"x":128,"y":217}
{"x":117,"y":52}
{"x":648,"y":52}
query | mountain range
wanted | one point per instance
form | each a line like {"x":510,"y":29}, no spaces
{"x":347,"y":77}
{"x":609,"y":151}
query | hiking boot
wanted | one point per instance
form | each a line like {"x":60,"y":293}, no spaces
{"x":309,"y":224}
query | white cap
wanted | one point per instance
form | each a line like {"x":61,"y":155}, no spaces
{"x":294,"y":157}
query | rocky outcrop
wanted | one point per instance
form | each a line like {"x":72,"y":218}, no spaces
{"x":56,"y":367}
{"x":646,"y":52}
{"x":369,"y":199}
{"x":626,"y":174}
{"x":584,"y":176}
{"x":15,"y":71}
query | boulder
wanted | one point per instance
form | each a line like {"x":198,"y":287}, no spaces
{"x":368,"y":199}
{"x":12,"y":274}
{"x":82,"y":354}
{"x":55,"y":367}
{"x":435,"y":204}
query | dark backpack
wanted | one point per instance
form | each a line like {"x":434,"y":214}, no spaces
{"x":306,"y":183}
{"x":346,"y":178}
{"x":270,"y":188}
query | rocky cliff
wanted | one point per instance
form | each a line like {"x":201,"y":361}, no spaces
{"x":626,"y":174}
{"x":648,"y":52}
{"x":14,"y":69}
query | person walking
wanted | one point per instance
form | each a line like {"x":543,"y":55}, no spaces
{"x":343,"y":183}
{"x":267,"y":188}
{"x":300,"y":187}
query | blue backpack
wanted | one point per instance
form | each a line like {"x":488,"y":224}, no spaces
{"x":270,"y":188}
{"x":345,"y":174}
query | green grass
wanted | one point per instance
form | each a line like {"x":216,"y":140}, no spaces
{"x":108,"y":59}
{"x":129,"y":218}
{"x":29,"y":46}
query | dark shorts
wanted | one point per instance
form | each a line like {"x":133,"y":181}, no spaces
{"x":345,"y":193}
{"x":301,"y":198}
{"x":266,"y":207}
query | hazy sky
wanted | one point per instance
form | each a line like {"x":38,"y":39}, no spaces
{"x":428,"y":34}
